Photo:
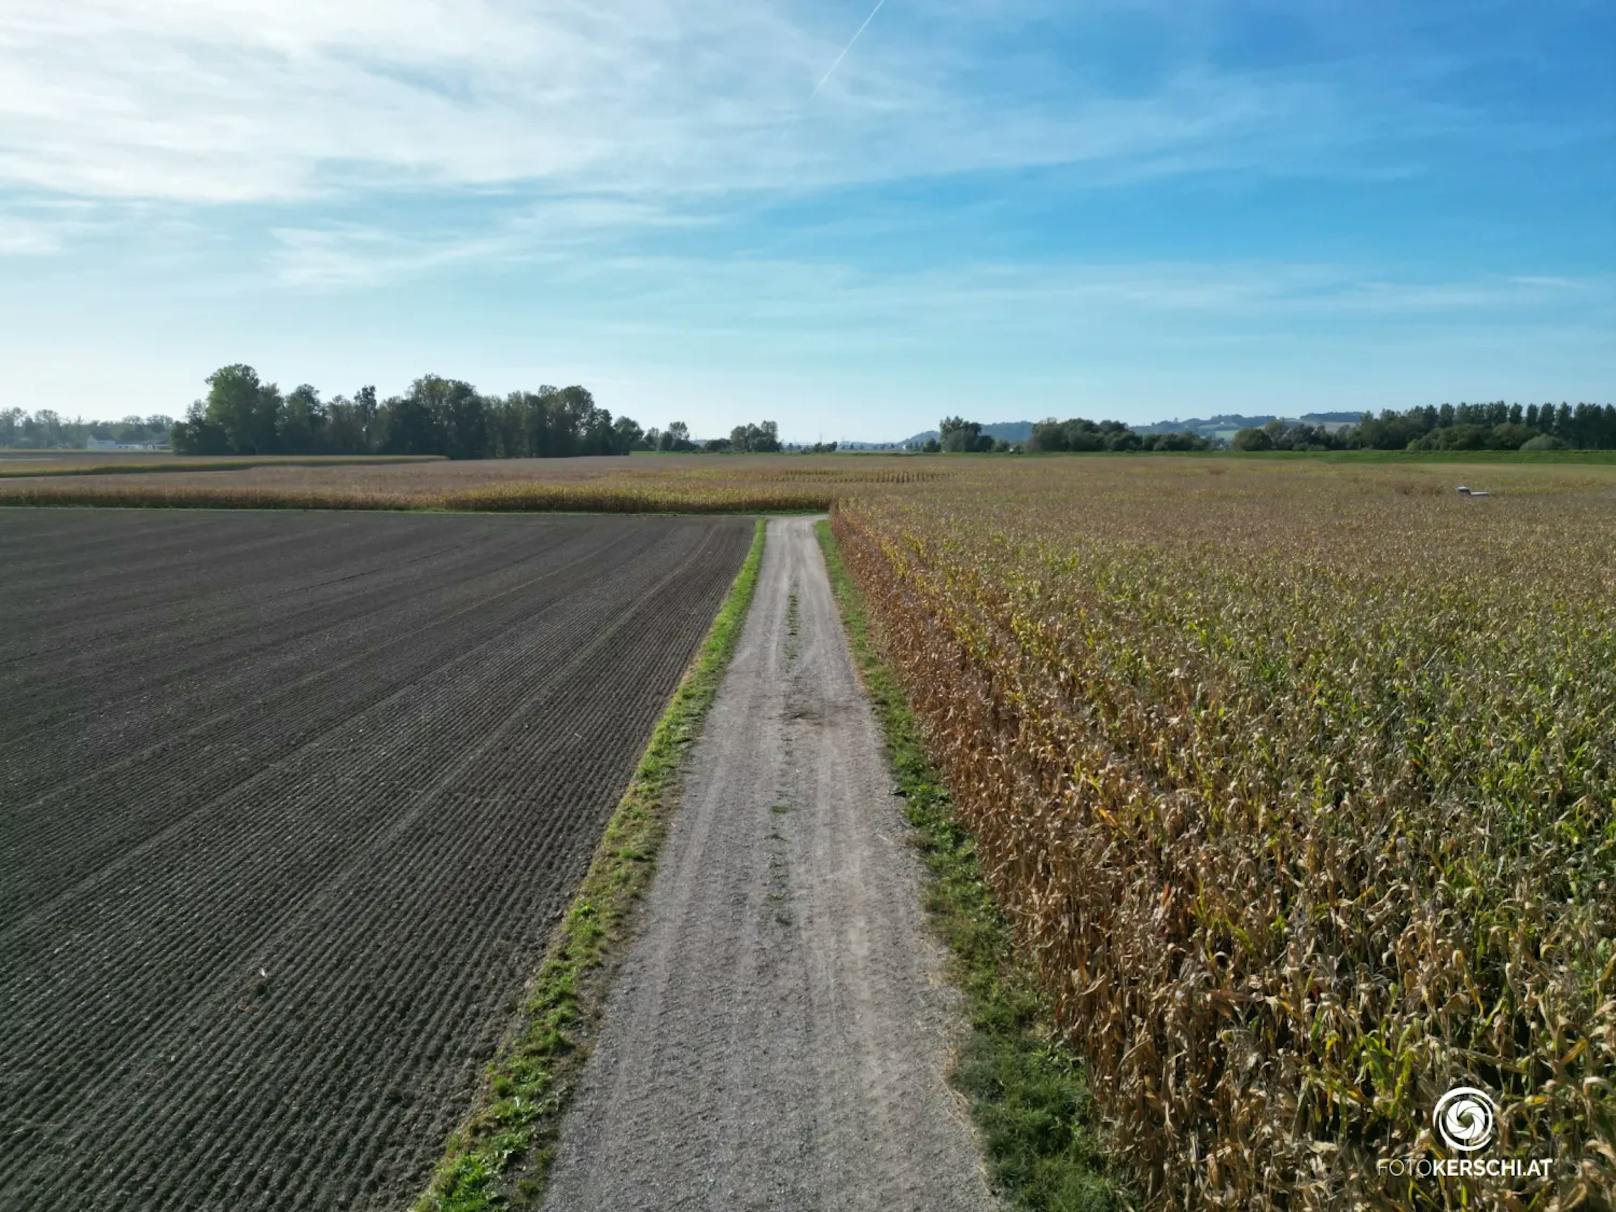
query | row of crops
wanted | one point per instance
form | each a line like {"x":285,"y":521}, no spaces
{"x":1298,"y":784}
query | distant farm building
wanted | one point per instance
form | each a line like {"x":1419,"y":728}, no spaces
{"x":109,"y":444}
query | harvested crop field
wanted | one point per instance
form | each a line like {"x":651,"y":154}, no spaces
{"x":34,"y":464}
{"x":290,"y":801}
{"x":681,"y":483}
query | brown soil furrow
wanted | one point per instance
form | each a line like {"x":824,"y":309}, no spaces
{"x":393,"y":858}
{"x":81,"y":637}
{"x":246,"y":894}
{"x":383,"y":1028}
{"x":254,"y":730}
{"x":31,"y":546}
{"x":416,"y":610}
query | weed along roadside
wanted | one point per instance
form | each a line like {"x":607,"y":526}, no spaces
{"x":501,"y":1156}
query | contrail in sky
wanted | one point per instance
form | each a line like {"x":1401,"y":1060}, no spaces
{"x":845,"y":49}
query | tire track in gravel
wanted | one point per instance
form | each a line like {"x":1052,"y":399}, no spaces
{"x":780,"y":1034}
{"x":388,"y":836}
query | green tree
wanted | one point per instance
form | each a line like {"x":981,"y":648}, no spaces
{"x":301,"y":422}
{"x":627,"y":435}
{"x":198,"y":434}
{"x":574,"y":416}
{"x":958,"y":435}
{"x":676,"y":437}
{"x":365,"y":415}
{"x":343,"y":433}
{"x":463,"y":421}
{"x":412,"y":419}
{"x":244,"y":409}
{"x":1251,"y":438}
{"x":597,"y":435}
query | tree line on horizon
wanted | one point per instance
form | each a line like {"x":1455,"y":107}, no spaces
{"x":242,"y":414}
{"x":1080,"y":435}
{"x":47,"y":429}
{"x":1492,"y":426}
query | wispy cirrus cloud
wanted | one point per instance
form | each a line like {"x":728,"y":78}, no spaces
{"x":643,"y":184}
{"x":1050,"y":298}
{"x":21,"y":237}
{"x":34,"y":226}
{"x":345,"y":255}
{"x":253,"y":100}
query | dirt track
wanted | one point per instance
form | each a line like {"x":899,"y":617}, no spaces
{"x":779,"y":1036}
{"x":287,"y":802}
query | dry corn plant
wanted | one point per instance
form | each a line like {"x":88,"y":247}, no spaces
{"x":1299,"y":785}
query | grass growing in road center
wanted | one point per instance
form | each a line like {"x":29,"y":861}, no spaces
{"x":1027,"y":1093}
{"x":501,"y":1156}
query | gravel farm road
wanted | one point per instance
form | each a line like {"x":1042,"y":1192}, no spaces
{"x":780,"y":1034}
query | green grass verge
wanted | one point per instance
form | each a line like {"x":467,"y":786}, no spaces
{"x":1027,"y":1092}
{"x":501,"y":1156}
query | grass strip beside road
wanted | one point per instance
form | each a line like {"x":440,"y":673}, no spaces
{"x":501,"y":1156}
{"x":1026,"y":1091}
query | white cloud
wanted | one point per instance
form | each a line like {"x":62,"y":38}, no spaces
{"x":845,"y":300}
{"x":353,"y":255}
{"x":33,"y":226}
{"x":347,"y":255}
{"x":808,"y":291}
{"x":27,"y":237}
{"x":211,"y":101}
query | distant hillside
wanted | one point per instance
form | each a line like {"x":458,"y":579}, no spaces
{"x":1230,"y":423}
{"x":1224,"y":425}
{"x":1010,"y":431}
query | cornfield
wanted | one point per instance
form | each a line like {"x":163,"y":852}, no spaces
{"x":1298,"y":784}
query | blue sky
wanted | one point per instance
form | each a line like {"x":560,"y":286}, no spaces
{"x":1014,"y":209}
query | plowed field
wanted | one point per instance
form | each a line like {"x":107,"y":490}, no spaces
{"x":287,"y":805}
